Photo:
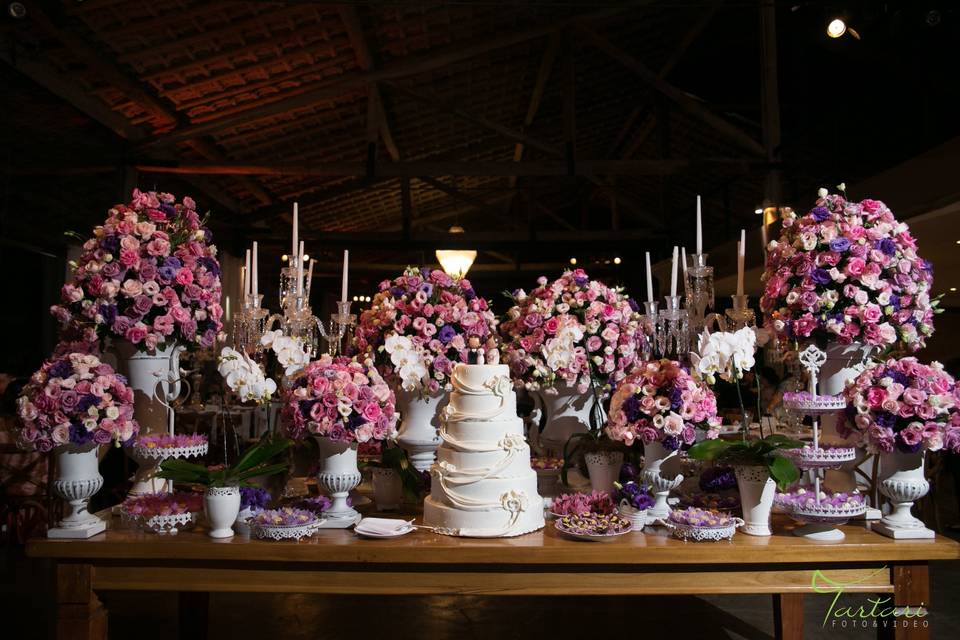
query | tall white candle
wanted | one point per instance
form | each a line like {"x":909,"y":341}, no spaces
{"x":300,"y":288}
{"x":649,"y":280}
{"x":255,"y":278}
{"x":699,"y":229}
{"x":683,"y":261}
{"x":296,"y":228}
{"x":673,"y":273}
{"x":741,"y":253}
{"x":310,"y":273}
{"x":245,"y":277}
{"x":343,"y":285}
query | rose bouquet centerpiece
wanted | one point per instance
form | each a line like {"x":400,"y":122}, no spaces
{"x":574,"y":331}
{"x":419,"y":325}
{"x":848,"y":272}
{"x":900,"y":405}
{"x":661,"y":402}
{"x":340,"y":399}
{"x":75,"y":399}
{"x":149,"y":275}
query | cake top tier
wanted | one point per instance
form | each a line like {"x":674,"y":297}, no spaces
{"x":471,"y":377}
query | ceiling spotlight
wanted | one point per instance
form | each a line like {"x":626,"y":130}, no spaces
{"x":758,"y":211}
{"x":573,"y":261}
{"x":284,"y":257}
{"x":836,"y":28}
{"x":368,"y":299}
{"x":617,"y":260}
{"x":306,"y":257}
{"x":356,"y":298}
{"x":953,"y":288}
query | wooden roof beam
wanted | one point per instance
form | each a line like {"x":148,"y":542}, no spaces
{"x":680,"y":98}
{"x":413,"y":65}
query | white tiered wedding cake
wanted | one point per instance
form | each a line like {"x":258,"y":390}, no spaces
{"x":482,"y":483}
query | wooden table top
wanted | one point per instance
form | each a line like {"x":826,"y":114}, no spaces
{"x":545,"y":547}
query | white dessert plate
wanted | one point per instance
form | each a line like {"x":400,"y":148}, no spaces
{"x":383,"y":528}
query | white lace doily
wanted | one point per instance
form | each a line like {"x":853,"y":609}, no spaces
{"x":166,"y":453}
{"x":277,"y":532}
{"x":171,"y":523}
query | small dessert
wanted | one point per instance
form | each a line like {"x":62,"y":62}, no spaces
{"x":594,"y":525}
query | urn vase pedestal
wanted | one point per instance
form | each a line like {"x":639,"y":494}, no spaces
{"x":338,"y":475}
{"x":903,"y":482}
{"x":78,"y":479}
{"x":568,"y":413}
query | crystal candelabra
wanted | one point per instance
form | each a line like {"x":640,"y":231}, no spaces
{"x":289,"y":284}
{"x":340,"y":323}
{"x":298,"y":321}
{"x":741,"y":315}
{"x":673,"y":330}
{"x":249,"y":324}
{"x":699,"y":281}
{"x":649,"y":322}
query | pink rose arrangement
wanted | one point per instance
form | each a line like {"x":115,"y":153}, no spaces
{"x":163,"y":504}
{"x":900,"y":405}
{"x":340,"y":399}
{"x":661,"y":402}
{"x":148,"y":275}
{"x":848,"y":271}
{"x":420,"y":324}
{"x":75,"y":399}
{"x":571,"y":331}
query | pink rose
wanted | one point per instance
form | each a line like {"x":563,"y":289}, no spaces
{"x":136,"y":333}
{"x":855,"y":267}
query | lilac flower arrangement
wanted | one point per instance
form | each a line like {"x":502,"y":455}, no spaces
{"x":718,"y":478}
{"x":848,"y":271}
{"x":163,"y":504}
{"x":807,"y":499}
{"x":575,"y":503}
{"x":900,"y":405}
{"x":75,"y":399}
{"x":419,"y":325}
{"x":340,"y":399}
{"x":148,"y":275}
{"x":254,"y":498}
{"x":695,"y":517}
{"x":317,"y":504}
{"x":633,"y":494}
{"x":167,"y":441}
{"x":571,"y":331}
{"x":661,"y":402}
{"x":285,"y":517}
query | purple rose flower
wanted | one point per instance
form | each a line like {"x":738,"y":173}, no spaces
{"x":172,"y":262}
{"x":532,"y":321}
{"x":887,"y":246}
{"x":446,"y":334}
{"x":143,"y":304}
{"x":79,"y":434}
{"x":121,"y":325}
{"x":821,"y":276}
{"x":111,"y":269}
{"x":210,"y":265}
{"x":69,"y":400}
{"x":61,"y":369}
{"x":820,"y":213}
{"x":110,"y":244}
{"x":839,"y":245}
{"x":167,"y":274}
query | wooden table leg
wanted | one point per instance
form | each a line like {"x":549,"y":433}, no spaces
{"x":80,"y":614}
{"x":788,"y":616}
{"x":911,"y":587}
{"x":193,"y":608}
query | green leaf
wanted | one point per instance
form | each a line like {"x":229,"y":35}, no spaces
{"x":265,"y":470}
{"x":708,"y":449}
{"x":260,"y":453}
{"x":783,"y":471}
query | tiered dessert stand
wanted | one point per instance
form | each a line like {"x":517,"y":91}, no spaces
{"x":821,"y":519}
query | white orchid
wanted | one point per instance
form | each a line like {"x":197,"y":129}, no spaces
{"x":725,"y":354}
{"x":408,"y":361}
{"x":245,"y":377}
{"x":290,"y":354}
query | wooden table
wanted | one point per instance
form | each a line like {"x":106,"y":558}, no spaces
{"x":543,"y":563}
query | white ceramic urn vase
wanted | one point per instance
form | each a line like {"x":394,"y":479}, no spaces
{"x":78,"y":479}
{"x":568,"y":413}
{"x":148,"y":374}
{"x":419,"y":432}
{"x":757,"y":490}
{"x":603,"y":468}
{"x":338,"y":475}
{"x":221,"y":506}
{"x":903,"y":482}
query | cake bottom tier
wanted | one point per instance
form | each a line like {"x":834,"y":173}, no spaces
{"x":495,"y":523}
